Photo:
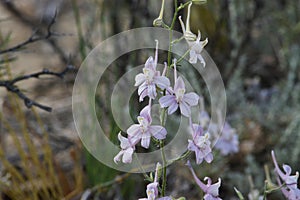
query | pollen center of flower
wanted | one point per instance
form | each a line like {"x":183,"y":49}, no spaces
{"x":149,"y":75}
{"x":179,"y":95}
{"x":143,"y":123}
{"x":202,"y":142}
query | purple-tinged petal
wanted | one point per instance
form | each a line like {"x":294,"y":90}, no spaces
{"x":158,"y":132}
{"x":139,"y":79}
{"x":146,"y":114}
{"x":209,"y":158}
{"x":150,"y":63}
{"x":191,"y":98}
{"x":192,"y":146}
{"x":214,"y":188}
{"x":199,"y":156}
{"x":167,"y":100}
{"x":124,"y":142}
{"x":172,"y":108}
{"x":197,"y":131}
{"x":152,"y":91}
{"x":127,"y":156}
{"x":193,"y":57}
{"x":143,"y":95}
{"x":145,"y":140}
{"x":198,"y":181}
{"x":179,"y":84}
{"x":142,"y":88}
{"x":134,"y":130}
{"x":185,"y":109}
{"x":161,"y":82}
{"x":117,"y":158}
{"x":287,"y":169}
{"x":201,"y":59}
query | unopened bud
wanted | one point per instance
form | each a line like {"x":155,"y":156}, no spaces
{"x":159,"y":21}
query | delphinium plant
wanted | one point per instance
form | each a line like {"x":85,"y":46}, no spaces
{"x":156,"y":85}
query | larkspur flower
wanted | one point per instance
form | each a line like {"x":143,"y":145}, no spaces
{"x":152,"y":188}
{"x":290,"y":189}
{"x":144,"y":130}
{"x":228,"y":141}
{"x":150,"y":78}
{"x":127,"y":150}
{"x":196,"y":46}
{"x":211,"y":190}
{"x":177,"y":97}
{"x":200,"y":144}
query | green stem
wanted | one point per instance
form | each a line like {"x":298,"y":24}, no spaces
{"x":164,"y":172}
{"x":171,"y":27}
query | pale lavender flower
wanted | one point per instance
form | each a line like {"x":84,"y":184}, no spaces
{"x":152,"y":188}
{"x":196,"y":46}
{"x":290,"y":189}
{"x":200,"y":144}
{"x":144,"y":130}
{"x":211,"y":190}
{"x":150,"y":78}
{"x":178,"y":98}
{"x":127,"y":150}
{"x":228,"y":141}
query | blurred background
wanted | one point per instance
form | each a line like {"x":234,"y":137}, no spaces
{"x":254,"y":43}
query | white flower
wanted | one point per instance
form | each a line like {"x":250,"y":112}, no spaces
{"x":196,"y":46}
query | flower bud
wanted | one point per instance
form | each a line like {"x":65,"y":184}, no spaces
{"x":159,"y":21}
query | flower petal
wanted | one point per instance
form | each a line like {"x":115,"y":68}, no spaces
{"x":146,"y":140}
{"x":185,"y":109}
{"x":214,"y":188}
{"x":117,"y":158}
{"x":139,"y":79}
{"x":146,"y":113}
{"x":172,"y":108}
{"x":201,"y":59}
{"x":127,"y":156}
{"x":124,"y":142}
{"x":199,"y":156}
{"x":193,"y":57}
{"x":287,"y":169}
{"x":142,"y":88}
{"x":158,"y":132}
{"x":161,"y":81}
{"x":179,"y":84}
{"x":134,"y":130}
{"x":192,"y":146}
{"x":152,"y":91}
{"x":191,"y":98}
{"x":150,"y":64}
{"x":209,"y":158}
{"x":167,"y":100}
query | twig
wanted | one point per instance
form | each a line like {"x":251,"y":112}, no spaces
{"x":28,"y":21}
{"x":11,"y":87}
{"x":33,"y":38}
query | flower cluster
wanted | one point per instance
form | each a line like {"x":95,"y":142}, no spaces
{"x":153,"y":84}
{"x":289,"y":186}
